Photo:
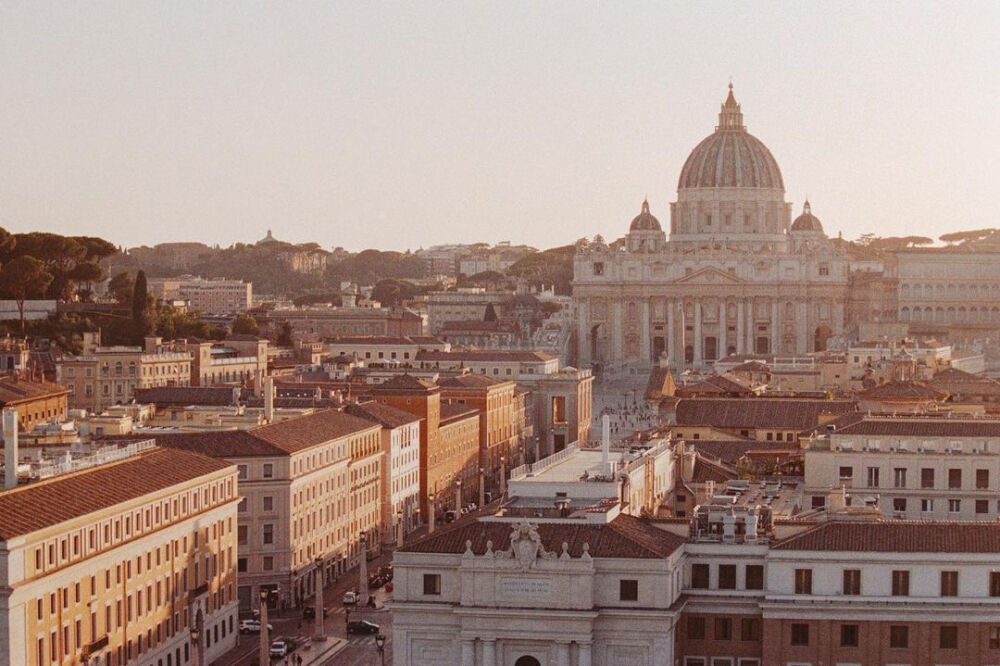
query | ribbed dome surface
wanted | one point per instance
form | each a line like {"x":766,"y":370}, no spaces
{"x":731,"y":157}
{"x":645,"y":221}
{"x":807,"y":221}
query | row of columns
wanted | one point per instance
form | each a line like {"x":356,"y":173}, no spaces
{"x":490,"y":652}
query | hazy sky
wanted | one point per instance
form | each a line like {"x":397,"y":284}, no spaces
{"x":396,"y":125}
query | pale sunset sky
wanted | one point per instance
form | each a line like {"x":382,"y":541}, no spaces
{"x":400,"y":125}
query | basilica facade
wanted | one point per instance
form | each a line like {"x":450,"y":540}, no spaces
{"x":735,"y":275}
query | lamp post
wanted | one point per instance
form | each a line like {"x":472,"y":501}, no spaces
{"x":195,"y":646}
{"x":431,"y":512}
{"x":458,"y":498}
{"x":265,"y":656}
{"x":482,"y":487}
{"x":363,"y":569}
{"x":380,"y":645}
{"x":503,"y":476}
{"x":400,"y":530}
{"x":318,"y":633}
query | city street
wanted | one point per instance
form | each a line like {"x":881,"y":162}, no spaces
{"x":360,"y":649}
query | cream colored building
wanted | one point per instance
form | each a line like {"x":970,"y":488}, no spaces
{"x":115,"y":564}
{"x":915,"y":467}
{"x":309,"y":485}
{"x":105,"y":376}
{"x":736,"y":274}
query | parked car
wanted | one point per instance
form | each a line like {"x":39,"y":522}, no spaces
{"x":309,"y":613}
{"x":376,"y":581}
{"x":252,"y":627}
{"x":350,"y":598}
{"x":362,"y":627}
{"x":280,"y":648}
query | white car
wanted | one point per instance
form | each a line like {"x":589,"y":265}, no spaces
{"x":252,"y":627}
{"x":350,"y":598}
{"x":279,"y":648}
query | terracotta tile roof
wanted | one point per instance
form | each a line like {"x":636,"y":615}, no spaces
{"x":624,"y":537}
{"x":923,"y":427}
{"x":716,"y":384}
{"x":375,"y":340}
{"x":660,"y":383}
{"x":469,"y":381}
{"x":731,"y":451}
{"x":785,"y":414}
{"x":405,"y":382}
{"x":451,"y":411}
{"x":706,"y":470}
{"x":958,"y":382}
{"x":485,"y":356}
{"x":276,"y":439}
{"x":217,"y":396}
{"x":904,"y":389}
{"x":15,"y":390}
{"x":386,"y":415}
{"x":39,"y":505}
{"x":897,"y":537}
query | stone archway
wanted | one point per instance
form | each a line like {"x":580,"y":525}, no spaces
{"x":823,"y":334}
{"x":527,"y":660}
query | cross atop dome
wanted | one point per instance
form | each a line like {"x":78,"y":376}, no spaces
{"x":730,"y":117}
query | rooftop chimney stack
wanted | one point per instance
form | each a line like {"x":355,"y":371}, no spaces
{"x":10,"y":452}
{"x":269,"y":399}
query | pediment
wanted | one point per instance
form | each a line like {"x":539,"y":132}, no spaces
{"x":709,"y":275}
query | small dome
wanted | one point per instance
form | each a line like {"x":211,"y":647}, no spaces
{"x":807,"y":221}
{"x":731,"y":156}
{"x":645,"y":221}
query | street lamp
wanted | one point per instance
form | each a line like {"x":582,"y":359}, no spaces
{"x":318,"y":633}
{"x":195,"y":636}
{"x":400,"y":531}
{"x":264,"y":656}
{"x":503,"y":476}
{"x":363,"y":568}
{"x":380,"y":644}
{"x":431,"y":512}
{"x":482,"y":487}
{"x":458,"y":498}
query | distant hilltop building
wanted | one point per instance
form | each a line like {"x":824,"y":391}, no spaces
{"x":736,"y":274}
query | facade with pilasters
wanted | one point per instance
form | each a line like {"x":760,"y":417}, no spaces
{"x":736,"y":275}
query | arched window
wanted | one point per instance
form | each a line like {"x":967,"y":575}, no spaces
{"x":527,"y":660}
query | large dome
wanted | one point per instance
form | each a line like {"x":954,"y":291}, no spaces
{"x":807,"y":221}
{"x":731,"y":157}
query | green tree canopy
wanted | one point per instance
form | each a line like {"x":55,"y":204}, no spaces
{"x":22,"y":278}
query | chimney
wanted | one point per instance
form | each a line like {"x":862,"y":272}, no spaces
{"x":605,"y":441}
{"x":10,"y":453}
{"x":269,"y":398}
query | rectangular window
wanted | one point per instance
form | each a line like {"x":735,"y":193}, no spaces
{"x":873,"y":477}
{"x":927,"y":505}
{"x":995,"y":583}
{"x":803,"y":581}
{"x":432,"y":583}
{"x":899,"y":477}
{"x":696,"y":628}
{"x":852,"y":581}
{"x":242,"y":472}
{"x":268,"y":564}
{"x":699,"y":576}
{"x":628,"y":590}
{"x":899,"y":504}
{"x":849,"y":635}
{"x":268,"y":503}
{"x":846,"y":472}
{"x":948,"y":638}
{"x":899,"y":636}
{"x":900,"y":583}
{"x":755,"y":577}
{"x":800,"y":634}
{"x":749,"y":629}
{"x":727,"y":576}
{"x":268,"y":471}
{"x":927,"y":477}
{"x":995,"y":638}
{"x":982,"y":506}
{"x":982,"y":479}
{"x":268,"y":533}
{"x":949,"y":583}
{"x":954,"y":506}
{"x":954,"y":478}
{"x":723,"y":629}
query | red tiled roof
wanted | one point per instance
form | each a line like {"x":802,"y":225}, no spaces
{"x":188,"y":395}
{"x":485,"y":356}
{"x":46,"y":503}
{"x":469,"y":381}
{"x":705,"y":470}
{"x":276,"y":439}
{"x":897,"y":537}
{"x":405,"y":382}
{"x":16,"y":390}
{"x":785,"y":414}
{"x":923,"y":427}
{"x":660,"y":383}
{"x":731,"y":451}
{"x":904,"y":389}
{"x":386,"y":415}
{"x":454,"y":410}
{"x":625,"y":537}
